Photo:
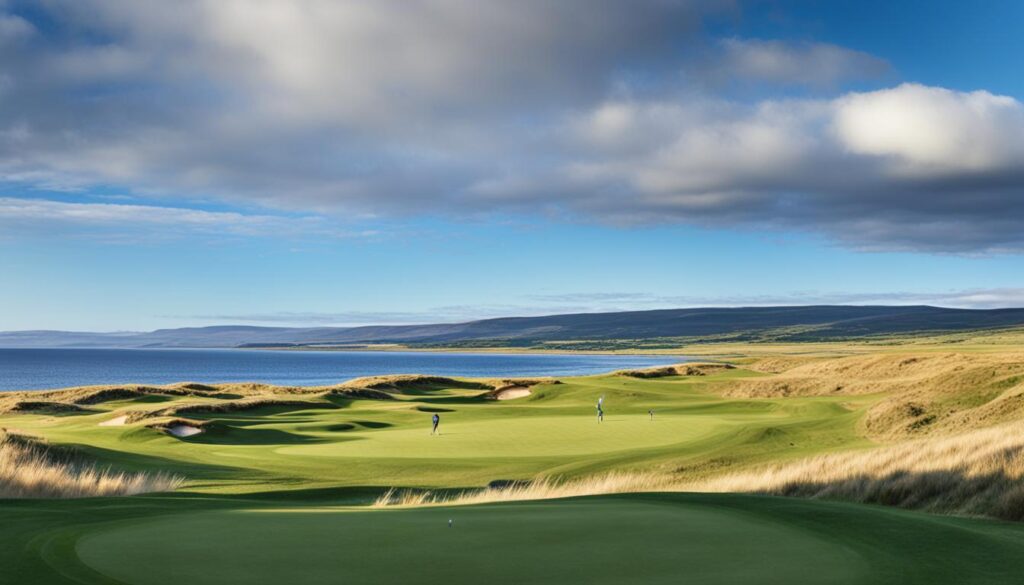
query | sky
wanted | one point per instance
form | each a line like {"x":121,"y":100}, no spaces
{"x":347,"y":162}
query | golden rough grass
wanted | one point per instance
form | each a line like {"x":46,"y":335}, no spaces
{"x":923,"y":393}
{"x":544,"y":488}
{"x":373,"y":388}
{"x":872,"y":373}
{"x":978,"y":473}
{"x":684,"y":369}
{"x":28,"y":470}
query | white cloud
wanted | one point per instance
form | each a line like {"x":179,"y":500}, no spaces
{"x":623,"y":301}
{"x":933,"y":131}
{"x":19,"y":214}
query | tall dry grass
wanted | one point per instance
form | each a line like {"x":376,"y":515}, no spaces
{"x":975,"y":474}
{"x":978,"y":473}
{"x":544,"y":488}
{"x":31,"y":470}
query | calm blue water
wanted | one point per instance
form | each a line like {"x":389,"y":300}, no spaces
{"x":30,"y":369}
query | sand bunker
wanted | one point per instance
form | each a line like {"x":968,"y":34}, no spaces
{"x":512,"y":392}
{"x":117,"y":421}
{"x":181,"y":431}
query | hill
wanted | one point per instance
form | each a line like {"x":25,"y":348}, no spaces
{"x":784,"y":323}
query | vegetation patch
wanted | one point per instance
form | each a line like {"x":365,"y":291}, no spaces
{"x":360,"y":393}
{"x":46,"y":407}
{"x":676,"y":370}
{"x":978,"y":473}
{"x":231,"y":406}
{"x":405,"y":382}
{"x":31,"y":468}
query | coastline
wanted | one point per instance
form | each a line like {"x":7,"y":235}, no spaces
{"x":46,"y":369}
{"x":396,"y":348}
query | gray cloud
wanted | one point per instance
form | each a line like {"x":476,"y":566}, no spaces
{"x":578,"y":109}
{"x":911,"y":167}
{"x":801,"y":63}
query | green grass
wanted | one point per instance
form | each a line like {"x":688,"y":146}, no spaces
{"x":648,"y":538}
{"x":273,"y":496}
{"x":387,"y":443}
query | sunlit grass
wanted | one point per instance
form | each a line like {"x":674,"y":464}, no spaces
{"x":29,"y":470}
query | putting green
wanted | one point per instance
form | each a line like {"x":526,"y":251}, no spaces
{"x":653,"y":538}
{"x":543,"y":436}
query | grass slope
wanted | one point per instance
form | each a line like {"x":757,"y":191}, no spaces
{"x":647,"y":538}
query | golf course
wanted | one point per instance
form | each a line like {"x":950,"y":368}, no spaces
{"x":511,"y":292}
{"x":252,"y":483}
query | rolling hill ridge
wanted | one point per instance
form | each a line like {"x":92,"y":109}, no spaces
{"x":782,"y":323}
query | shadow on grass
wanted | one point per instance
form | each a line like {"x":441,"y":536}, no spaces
{"x":372,"y":424}
{"x":221,"y":434}
{"x":226,"y":411}
{"x":433,"y":409}
{"x":125,"y":461}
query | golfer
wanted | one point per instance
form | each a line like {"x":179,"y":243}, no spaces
{"x":600,"y":411}
{"x":437,"y":420}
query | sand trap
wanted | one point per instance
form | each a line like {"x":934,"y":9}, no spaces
{"x":183,"y":430}
{"x":117,"y":421}
{"x":512,"y":392}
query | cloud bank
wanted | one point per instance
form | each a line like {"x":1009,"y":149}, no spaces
{"x":28,"y":215}
{"x":582,"y":110}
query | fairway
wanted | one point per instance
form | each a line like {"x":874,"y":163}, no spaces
{"x":649,"y":538}
{"x":388,"y":443}
{"x":543,"y":436}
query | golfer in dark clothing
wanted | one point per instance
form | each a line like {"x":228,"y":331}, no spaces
{"x":437,"y":421}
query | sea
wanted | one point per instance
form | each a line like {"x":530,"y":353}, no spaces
{"x":35,"y":369}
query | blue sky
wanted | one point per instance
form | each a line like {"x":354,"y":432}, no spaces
{"x":333,"y":163}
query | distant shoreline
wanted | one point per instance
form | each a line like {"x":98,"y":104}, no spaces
{"x":512,"y":350}
{"x":36,"y":369}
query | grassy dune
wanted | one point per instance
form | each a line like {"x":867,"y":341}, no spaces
{"x":979,"y":473}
